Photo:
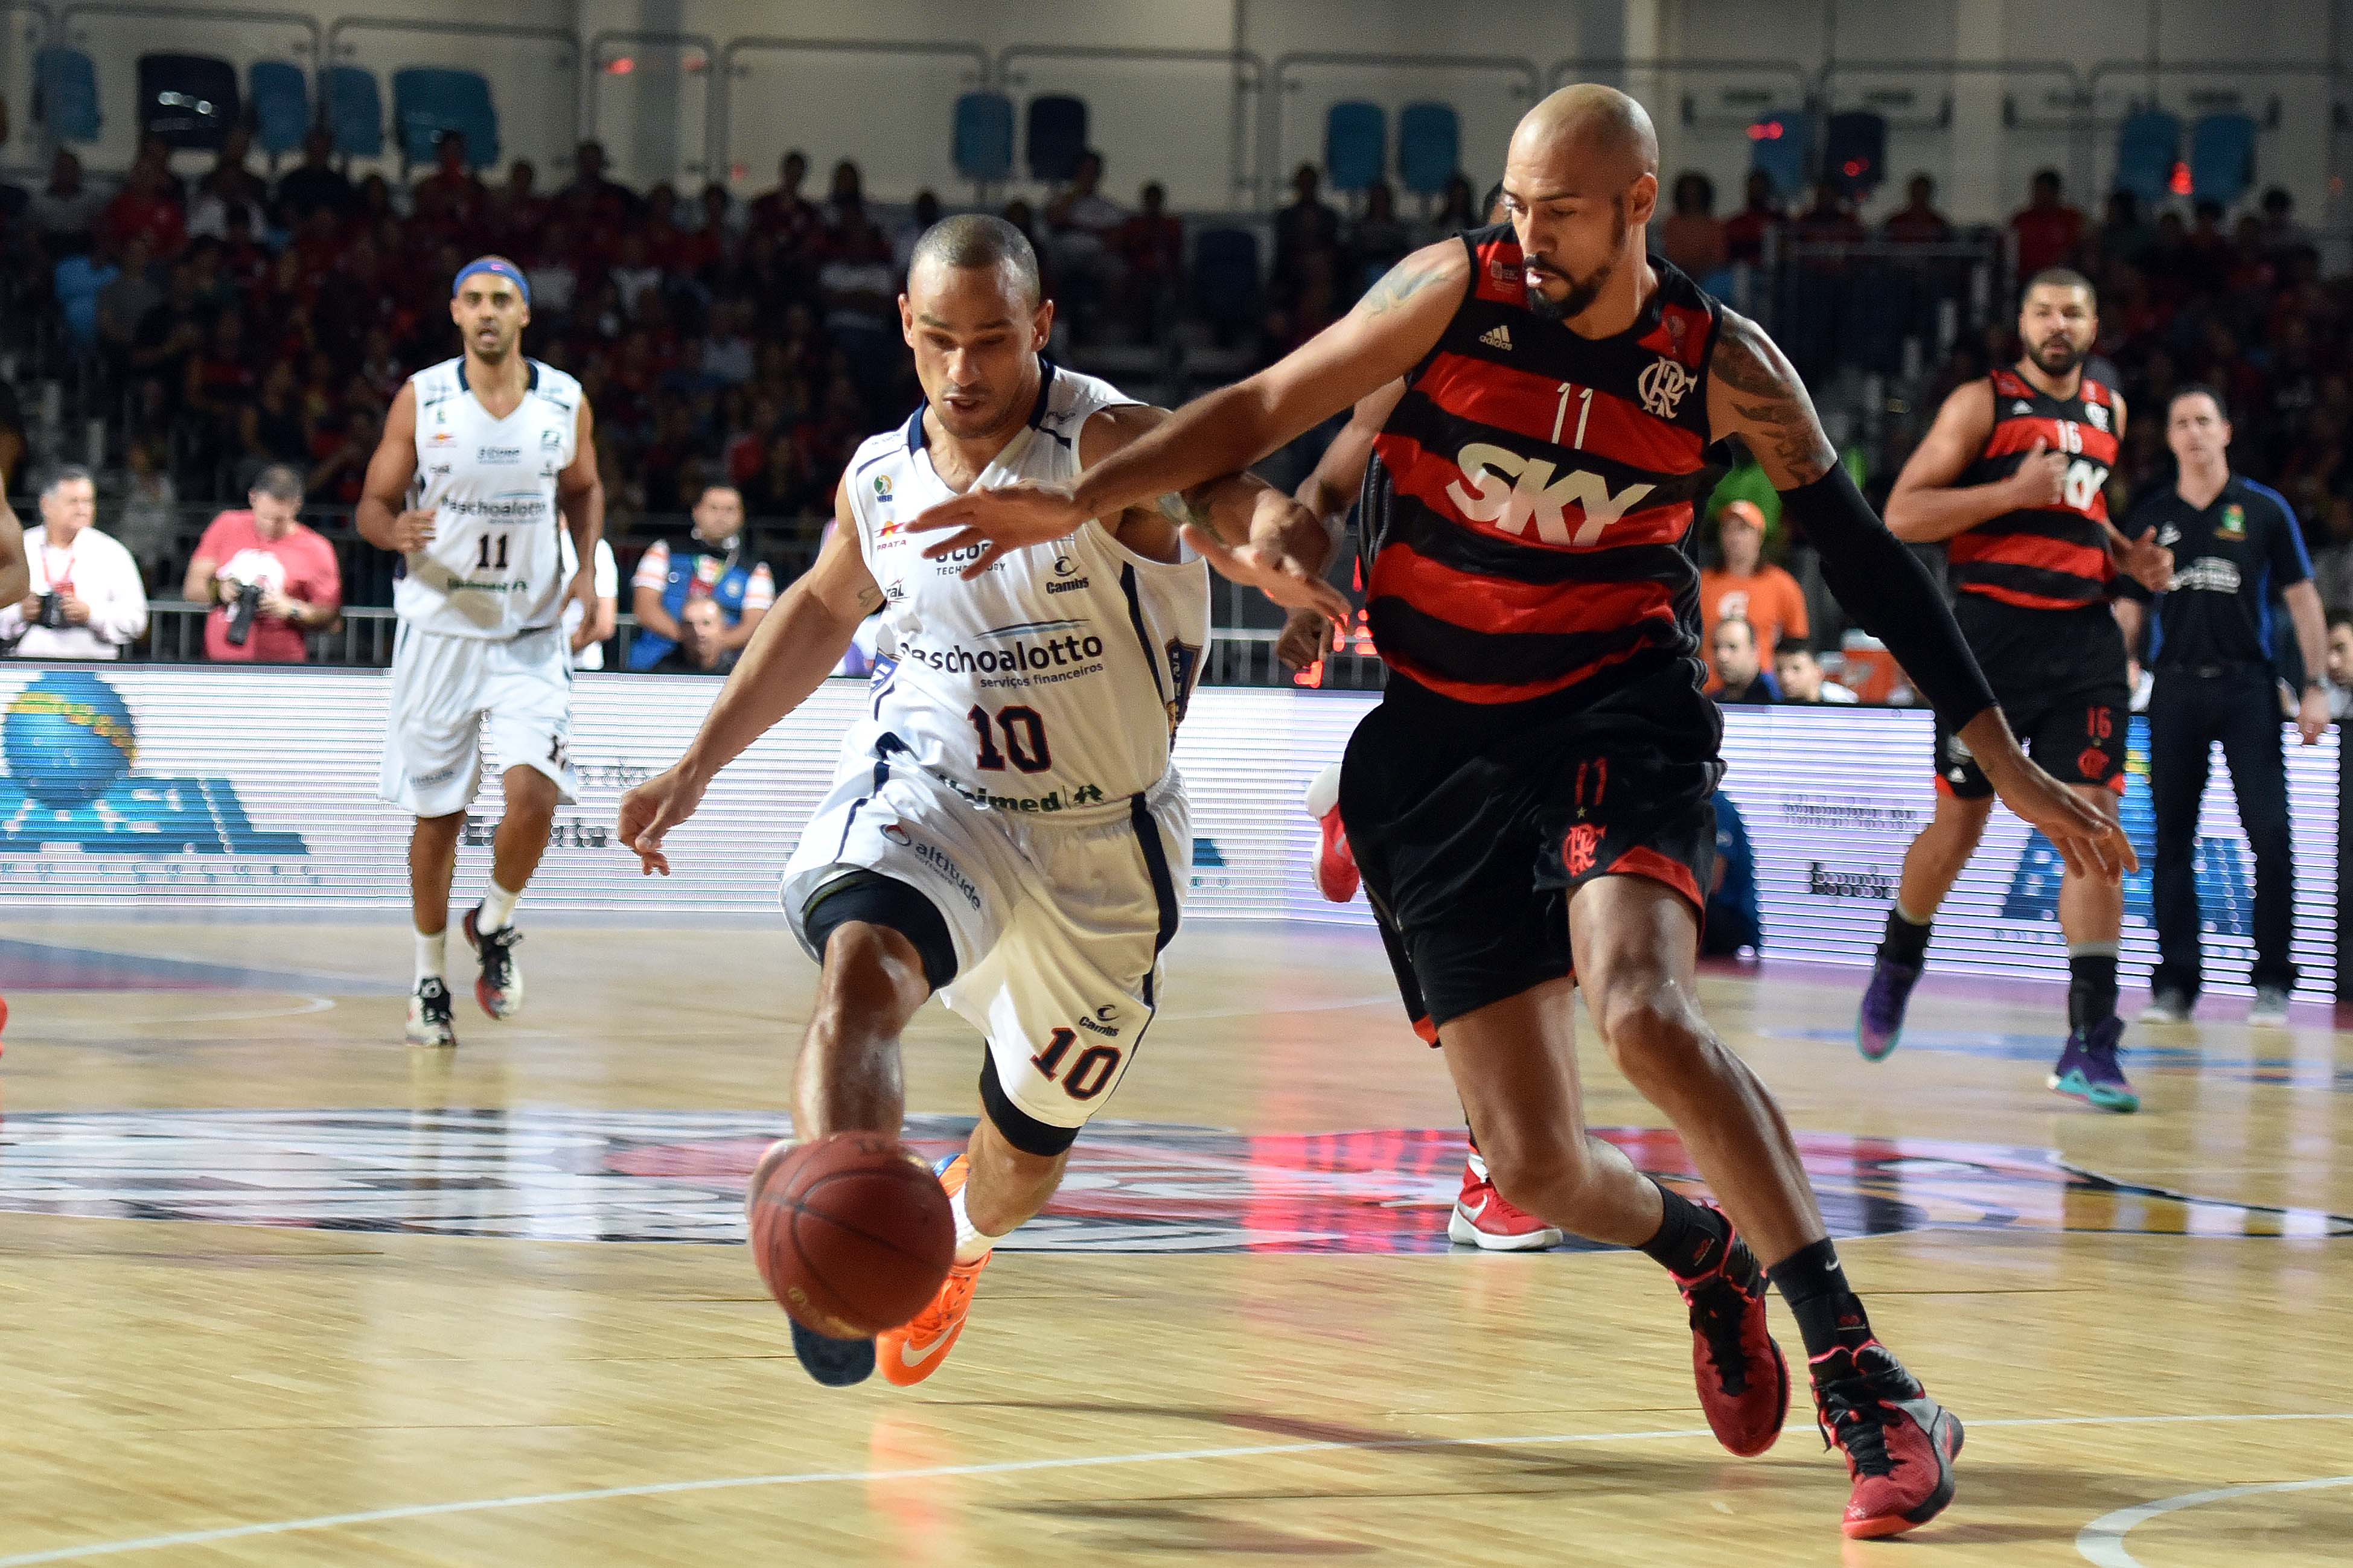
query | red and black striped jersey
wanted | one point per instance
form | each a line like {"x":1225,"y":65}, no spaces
{"x":1526,"y":506}
{"x":2043,"y":558}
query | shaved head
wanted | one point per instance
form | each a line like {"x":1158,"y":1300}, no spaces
{"x":1579,"y":185}
{"x":979,"y":242}
{"x":1595,"y":125}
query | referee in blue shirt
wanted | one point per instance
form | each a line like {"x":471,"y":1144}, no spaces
{"x":2234,"y":545}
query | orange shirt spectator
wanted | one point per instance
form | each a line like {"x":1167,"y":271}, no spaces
{"x":1742,"y":589}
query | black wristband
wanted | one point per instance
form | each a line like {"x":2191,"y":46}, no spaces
{"x":1891,"y":595}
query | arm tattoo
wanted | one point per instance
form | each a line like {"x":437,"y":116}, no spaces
{"x":1398,"y":284}
{"x":1192,"y":506}
{"x":1776,"y":414}
{"x":870,"y":599}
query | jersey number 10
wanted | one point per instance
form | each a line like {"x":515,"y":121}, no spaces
{"x":1025,"y":740}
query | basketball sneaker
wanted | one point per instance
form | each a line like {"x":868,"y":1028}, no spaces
{"x":2168,"y":1007}
{"x":837,"y":1364}
{"x":912,"y":1353}
{"x":1899,"y":1444}
{"x":499,"y":990}
{"x":1879,"y":1023}
{"x":1486,"y":1219}
{"x":2088,"y":1069}
{"x":1744,"y":1379}
{"x":1336,"y":863}
{"x":2270,"y":1011}
{"x":428,"y":1015}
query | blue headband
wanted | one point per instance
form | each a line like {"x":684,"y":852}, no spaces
{"x":497,"y":266}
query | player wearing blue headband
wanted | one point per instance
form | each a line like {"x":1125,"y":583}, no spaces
{"x":488,"y":461}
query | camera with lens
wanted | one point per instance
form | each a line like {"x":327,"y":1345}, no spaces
{"x":53,"y":611}
{"x":241,"y":611}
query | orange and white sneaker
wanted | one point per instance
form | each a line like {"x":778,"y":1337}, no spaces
{"x":1486,"y":1219}
{"x":910,"y":1355}
{"x":1336,"y":863}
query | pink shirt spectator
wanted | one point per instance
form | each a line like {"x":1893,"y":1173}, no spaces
{"x":302,"y":565}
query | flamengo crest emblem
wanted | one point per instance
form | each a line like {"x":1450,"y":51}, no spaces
{"x":1664,"y":385}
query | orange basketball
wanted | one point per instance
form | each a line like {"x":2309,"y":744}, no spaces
{"x":851,"y":1232}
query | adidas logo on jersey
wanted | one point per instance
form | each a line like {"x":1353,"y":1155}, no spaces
{"x":1497,"y":338}
{"x":2021,"y":407}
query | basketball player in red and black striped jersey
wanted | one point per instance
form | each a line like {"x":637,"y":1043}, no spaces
{"x":2012,"y":479}
{"x":1541,"y":766}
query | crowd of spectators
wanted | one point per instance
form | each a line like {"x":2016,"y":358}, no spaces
{"x":245,"y":323}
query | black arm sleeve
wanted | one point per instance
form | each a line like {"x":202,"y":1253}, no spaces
{"x":1891,"y":595}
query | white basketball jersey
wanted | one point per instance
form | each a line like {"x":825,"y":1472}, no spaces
{"x":1056,"y":682}
{"x":494,"y":568}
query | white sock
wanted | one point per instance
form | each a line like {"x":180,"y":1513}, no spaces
{"x":498,"y":908}
{"x":972,"y":1245}
{"x":429,"y":951}
{"x":1908,"y":917}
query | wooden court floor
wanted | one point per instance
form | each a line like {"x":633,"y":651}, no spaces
{"x":276,"y":1290}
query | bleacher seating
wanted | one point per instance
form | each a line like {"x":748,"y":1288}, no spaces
{"x":1783,"y":146}
{"x":1355,"y":145}
{"x":1057,"y":136}
{"x":428,"y":100}
{"x":189,"y":101}
{"x":281,"y":106}
{"x":66,"y":88}
{"x":984,"y":137}
{"x":2148,"y":144}
{"x":1430,"y":147}
{"x":2221,"y":158}
{"x":354,"y":111}
{"x":1854,"y":151}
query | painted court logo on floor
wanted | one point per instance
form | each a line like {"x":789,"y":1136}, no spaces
{"x":653,"y":1177}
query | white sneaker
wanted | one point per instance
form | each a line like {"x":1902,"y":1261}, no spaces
{"x":429,"y":1016}
{"x":2270,"y":1011}
{"x":2167,"y":1007}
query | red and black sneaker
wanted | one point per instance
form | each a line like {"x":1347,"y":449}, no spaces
{"x":1744,"y":1380}
{"x":1899,"y":1444}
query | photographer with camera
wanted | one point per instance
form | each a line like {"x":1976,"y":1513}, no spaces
{"x":84,"y":599}
{"x":271,"y":580}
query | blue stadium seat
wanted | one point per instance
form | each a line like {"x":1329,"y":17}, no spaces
{"x":189,"y":101}
{"x":1854,"y":151}
{"x":1226,"y":278}
{"x":281,"y":105}
{"x":66,"y":83}
{"x":429,"y":100}
{"x":2148,"y":144}
{"x":354,"y":111}
{"x":1430,"y":147}
{"x":1058,"y":136}
{"x":984,"y":137}
{"x":1355,"y":145}
{"x":2221,"y":158}
{"x":1783,"y":146}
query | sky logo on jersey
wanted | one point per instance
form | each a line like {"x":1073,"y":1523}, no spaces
{"x":72,"y":747}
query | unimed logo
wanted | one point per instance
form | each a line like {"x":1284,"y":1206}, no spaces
{"x":1866,"y":882}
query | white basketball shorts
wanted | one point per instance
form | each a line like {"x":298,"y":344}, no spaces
{"x":1058,"y":923}
{"x":447,"y":691}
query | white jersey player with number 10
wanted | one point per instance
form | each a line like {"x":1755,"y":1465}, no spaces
{"x":1006,"y":828}
{"x":487,"y":472}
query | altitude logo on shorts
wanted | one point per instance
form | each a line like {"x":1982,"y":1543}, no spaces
{"x":72,"y":749}
{"x":678,"y":1176}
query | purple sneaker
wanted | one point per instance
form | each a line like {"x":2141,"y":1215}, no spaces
{"x":2088,"y":1069}
{"x":1880,"y":1022}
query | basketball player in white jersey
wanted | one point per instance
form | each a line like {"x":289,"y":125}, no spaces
{"x":488,"y":461}
{"x":1005,"y":829}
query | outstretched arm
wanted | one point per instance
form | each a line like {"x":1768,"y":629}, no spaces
{"x":1384,"y":336}
{"x":1327,"y":493}
{"x":16,"y":573}
{"x":1753,"y":392}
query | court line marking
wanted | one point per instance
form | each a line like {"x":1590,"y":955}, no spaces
{"x":1008,"y":1467}
{"x":304,"y":1004}
{"x":2102,"y":1541}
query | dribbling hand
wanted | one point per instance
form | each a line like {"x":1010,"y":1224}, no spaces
{"x":1305,"y":638}
{"x":651,"y":810}
{"x":411,"y":531}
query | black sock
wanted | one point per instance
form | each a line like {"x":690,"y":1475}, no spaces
{"x":1828,"y":1314}
{"x":2091,"y":989}
{"x":1691,"y":1235}
{"x":1904,"y":943}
